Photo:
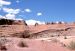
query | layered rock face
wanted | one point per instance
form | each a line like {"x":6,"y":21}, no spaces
{"x":19,"y":28}
{"x":52,"y":30}
{"x":8,"y":27}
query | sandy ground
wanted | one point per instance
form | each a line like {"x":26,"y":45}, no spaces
{"x":43,"y":44}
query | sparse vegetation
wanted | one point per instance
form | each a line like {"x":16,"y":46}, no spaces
{"x":54,"y":40}
{"x":3,"y":48}
{"x":3,"y":42}
{"x":25,"y":23}
{"x":65,"y":37}
{"x":71,"y":45}
{"x":62,"y":44}
{"x":36,"y":24}
{"x":22,"y":44}
{"x":58,"y":35}
{"x":25,"y":34}
{"x":52,"y":35}
{"x":47,"y":23}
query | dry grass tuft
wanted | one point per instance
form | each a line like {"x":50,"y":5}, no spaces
{"x":71,"y":45}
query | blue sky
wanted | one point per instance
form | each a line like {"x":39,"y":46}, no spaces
{"x":43,"y":10}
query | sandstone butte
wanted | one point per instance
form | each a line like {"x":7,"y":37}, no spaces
{"x":44,"y":37}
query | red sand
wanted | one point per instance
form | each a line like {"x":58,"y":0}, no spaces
{"x":37,"y":45}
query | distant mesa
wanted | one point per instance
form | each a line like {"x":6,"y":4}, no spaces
{"x":4,"y":21}
{"x":57,"y":22}
{"x":11,"y":22}
{"x":60,"y":22}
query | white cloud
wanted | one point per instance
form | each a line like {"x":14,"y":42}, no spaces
{"x":27,"y":10}
{"x":10,"y":16}
{"x":17,"y":1}
{"x":39,"y":14}
{"x":2,"y":2}
{"x":2,"y":16}
{"x":18,"y":19}
{"x":0,"y":8}
{"x":11,"y":11}
{"x":32,"y":22}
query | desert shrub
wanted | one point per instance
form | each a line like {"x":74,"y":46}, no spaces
{"x":65,"y":37}
{"x":51,"y":35}
{"x":22,"y":44}
{"x":58,"y":35}
{"x":36,"y":24}
{"x":3,"y":48}
{"x":62,"y":44}
{"x":25,"y":34}
{"x":25,"y":23}
{"x":71,"y":45}
{"x":3,"y":41}
{"x":54,"y":40}
{"x":47,"y":23}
